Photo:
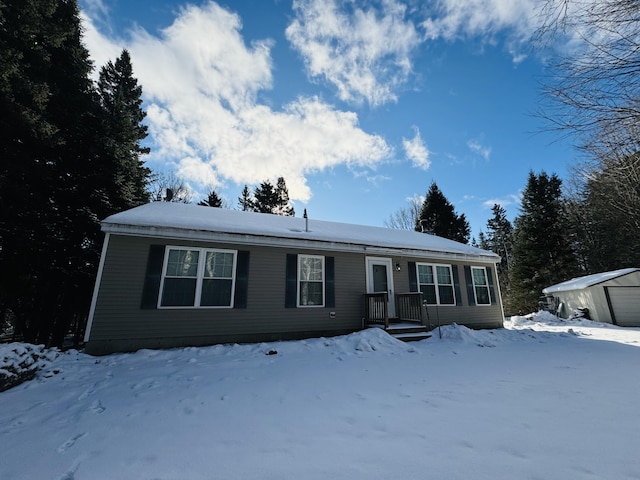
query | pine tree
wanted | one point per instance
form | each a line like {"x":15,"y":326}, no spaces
{"x":53,"y":175}
{"x":499,"y":240}
{"x":264,"y":198}
{"x":283,"y":207}
{"x":121,"y":102}
{"x":542,"y":254}
{"x":245,"y":200}
{"x":270,"y":199}
{"x":212,"y":200}
{"x":438,"y":217}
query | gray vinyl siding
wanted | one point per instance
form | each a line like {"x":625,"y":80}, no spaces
{"x":120,"y":324}
{"x":473,"y":316}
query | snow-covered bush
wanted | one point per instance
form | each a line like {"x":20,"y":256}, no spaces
{"x":20,"y":362}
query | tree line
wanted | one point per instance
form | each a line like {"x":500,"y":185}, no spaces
{"x":71,"y":152}
{"x":556,"y":235}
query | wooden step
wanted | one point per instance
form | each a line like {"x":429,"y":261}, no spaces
{"x":408,"y":331}
{"x":411,"y":337}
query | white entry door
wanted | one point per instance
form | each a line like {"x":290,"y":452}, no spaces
{"x":380,"y":279}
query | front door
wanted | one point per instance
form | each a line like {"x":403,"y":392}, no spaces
{"x":380,"y":279}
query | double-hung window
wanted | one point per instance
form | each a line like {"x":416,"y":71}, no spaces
{"x":480,"y":285}
{"x":311,"y":273}
{"x":198,"y":277}
{"x":436,"y":284}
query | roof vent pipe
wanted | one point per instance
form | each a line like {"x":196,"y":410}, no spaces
{"x":306,"y":221}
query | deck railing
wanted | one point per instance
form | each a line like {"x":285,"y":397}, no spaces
{"x":409,"y":306}
{"x":376,"y":309}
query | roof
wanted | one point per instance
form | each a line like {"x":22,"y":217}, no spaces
{"x":194,"y":222}
{"x":589,"y":280}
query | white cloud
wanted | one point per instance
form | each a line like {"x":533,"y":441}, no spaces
{"x":416,"y":150}
{"x":454,"y":19}
{"x":511,"y":199}
{"x":200,"y":85}
{"x":476,"y":147}
{"x":102,"y":49}
{"x":365,"y":51}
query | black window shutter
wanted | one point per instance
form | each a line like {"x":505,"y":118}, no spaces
{"x":330,"y":284}
{"x":291,"y":285}
{"x":413,"y":277}
{"x":470,"y":293}
{"x":492,"y":290}
{"x":242,"y":279}
{"x":151,"y":288}
{"x":456,"y":284}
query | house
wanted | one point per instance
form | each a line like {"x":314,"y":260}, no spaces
{"x":610,"y":297}
{"x":175,"y":275}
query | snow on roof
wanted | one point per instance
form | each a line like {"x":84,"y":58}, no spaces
{"x":165,"y":219}
{"x":588,"y":281}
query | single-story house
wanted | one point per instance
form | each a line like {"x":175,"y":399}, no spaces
{"x":175,"y":275}
{"x":609,"y":297}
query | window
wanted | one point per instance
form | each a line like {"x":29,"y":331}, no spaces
{"x":436,"y":284}
{"x":310,"y":281}
{"x":480,"y":285}
{"x":198,"y":277}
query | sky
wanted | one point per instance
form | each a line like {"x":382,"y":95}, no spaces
{"x":538,"y":399}
{"x":359,"y":105}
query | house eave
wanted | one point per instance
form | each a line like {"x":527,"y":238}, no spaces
{"x":286,"y":242}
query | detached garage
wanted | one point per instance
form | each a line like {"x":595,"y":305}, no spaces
{"x":611,"y":297}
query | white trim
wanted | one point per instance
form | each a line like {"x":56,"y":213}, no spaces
{"x":497,"y":289}
{"x":436,"y":284}
{"x":96,"y":288}
{"x":202,"y":253}
{"x":292,"y":243}
{"x":473,"y":282}
{"x":299,"y":280}
{"x":388,"y":263}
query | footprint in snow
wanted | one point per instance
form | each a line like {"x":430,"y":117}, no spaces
{"x":97,"y":407}
{"x":70,"y":443}
{"x":88,"y":392}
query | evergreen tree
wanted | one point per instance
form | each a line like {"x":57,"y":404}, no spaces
{"x":605,"y":214}
{"x":438,"y":217}
{"x":481,"y":242}
{"x":121,"y":102}
{"x":283,"y":207}
{"x":245,"y":200}
{"x":212,"y":200}
{"x":270,"y":199}
{"x":265,"y":198}
{"x":542,"y":253}
{"x":499,"y":240}
{"x":56,"y":174}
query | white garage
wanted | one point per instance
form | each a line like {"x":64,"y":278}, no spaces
{"x":611,"y":297}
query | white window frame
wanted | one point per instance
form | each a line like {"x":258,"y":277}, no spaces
{"x":202,"y":255}
{"x":300,"y":280}
{"x":436,"y":284}
{"x":475,"y":287}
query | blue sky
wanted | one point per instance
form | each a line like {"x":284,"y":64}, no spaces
{"x":358,"y":105}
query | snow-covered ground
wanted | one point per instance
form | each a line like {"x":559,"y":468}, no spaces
{"x":539,"y":399}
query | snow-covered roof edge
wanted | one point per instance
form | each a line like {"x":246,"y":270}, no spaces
{"x":184,"y":221}
{"x":580,"y":283}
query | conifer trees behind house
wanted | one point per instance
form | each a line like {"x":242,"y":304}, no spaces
{"x":438,"y":217}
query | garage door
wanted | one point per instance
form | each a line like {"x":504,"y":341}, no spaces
{"x":625,"y":303}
